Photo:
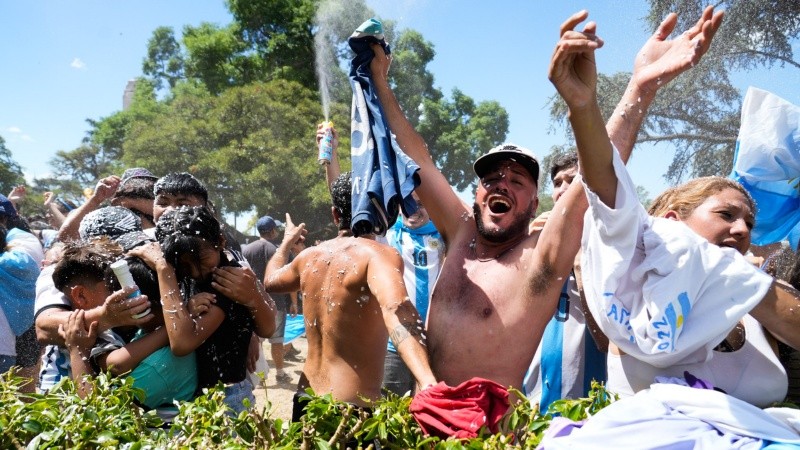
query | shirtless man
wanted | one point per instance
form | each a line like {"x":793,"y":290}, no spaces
{"x":353,"y":300}
{"x":499,"y":284}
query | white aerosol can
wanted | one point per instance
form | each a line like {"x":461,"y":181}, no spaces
{"x":125,"y":278}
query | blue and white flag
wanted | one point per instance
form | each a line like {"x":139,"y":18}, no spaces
{"x":767,"y":164}
{"x":383,"y":176}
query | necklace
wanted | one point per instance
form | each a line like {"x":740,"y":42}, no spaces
{"x":473,"y":246}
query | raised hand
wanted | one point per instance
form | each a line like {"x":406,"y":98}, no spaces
{"x":572,"y":68}
{"x":106,"y":188}
{"x":661,"y":60}
{"x":48,"y":198}
{"x":321,"y":131}
{"x":294,"y":234}
{"x":17,"y":194}
{"x":379,"y":66}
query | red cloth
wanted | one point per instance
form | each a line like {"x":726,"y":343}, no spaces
{"x":460,"y":411}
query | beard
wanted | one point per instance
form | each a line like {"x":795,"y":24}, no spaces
{"x":518,"y":227}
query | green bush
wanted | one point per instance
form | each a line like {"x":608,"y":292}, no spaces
{"x":109,"y":418}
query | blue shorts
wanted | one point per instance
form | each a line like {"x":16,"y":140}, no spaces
{"x":280,"y":327}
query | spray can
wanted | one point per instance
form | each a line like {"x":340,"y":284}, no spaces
{"x":125,"y":278}
{"x":326,"y":144}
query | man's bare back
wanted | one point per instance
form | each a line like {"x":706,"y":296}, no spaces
{"x":344,"y":322}
{"x":354,"y":299}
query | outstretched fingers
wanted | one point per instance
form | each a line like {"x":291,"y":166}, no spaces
{"x":573,"y":21}
{"x":667,"y":27}
{"x":572,"y":68}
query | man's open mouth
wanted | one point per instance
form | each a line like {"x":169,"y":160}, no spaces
{"x":498,"y":205}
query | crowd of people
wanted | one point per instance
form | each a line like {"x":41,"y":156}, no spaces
{"x":455,"y":301}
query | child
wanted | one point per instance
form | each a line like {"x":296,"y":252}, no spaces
{"x":226,"y":303}
{"x":84,"y":276}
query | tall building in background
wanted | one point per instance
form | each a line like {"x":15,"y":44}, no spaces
{"x":127,"y":97}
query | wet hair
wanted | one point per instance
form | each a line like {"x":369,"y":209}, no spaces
{"x":183,"y":230}
{"x":563,"y":162}
{"x":136,"y":187}
{"x":684,"y":199}
{"x":84,"y":262}
{"x":341,"y":190}
{"x":176,"y":183}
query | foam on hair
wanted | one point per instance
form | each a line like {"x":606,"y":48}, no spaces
{"x":183,"y":230}
{"x":176,"y":183}
{"x":341,"y":191}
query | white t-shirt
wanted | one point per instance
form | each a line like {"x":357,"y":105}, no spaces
{"x":659,"y":291}
{"x":752,"y":373}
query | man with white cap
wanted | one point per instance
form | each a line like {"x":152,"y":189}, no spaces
{"x":499,"y":284}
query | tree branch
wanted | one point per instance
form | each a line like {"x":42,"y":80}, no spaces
{"x":687,"y":137}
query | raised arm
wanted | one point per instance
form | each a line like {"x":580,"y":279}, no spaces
{"x":658,"y":62}
{"x":442,"y":203}
{"x":52,"y":210}
{"x":103,"y":191}
{"x":574,"y":74}
{"x":280,"y":276}
{"x":405,"y":327}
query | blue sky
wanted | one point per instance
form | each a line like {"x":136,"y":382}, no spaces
{"x":69,"y":61}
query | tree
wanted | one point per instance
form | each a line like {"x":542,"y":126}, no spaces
{"x":253,"y":146}
{"x":100,"y":152}
{"x":10,"y":171}
{"x":243,"y":117}
{"x":218,"y":58}
{"x":280,"y":33}
{"x":164,"y":61}
{"x":698,"y":113}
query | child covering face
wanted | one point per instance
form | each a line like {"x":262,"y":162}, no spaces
{"x":211,"y":304}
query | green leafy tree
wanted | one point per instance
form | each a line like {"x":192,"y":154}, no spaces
{"x":218,"y":58}
{"x":243,"y":117}
{"x":280,"y":32}
{"x":10,"y":171}
{"x":164,"y":62}
{"x":252,"y":145}
{"x":698,"y":113}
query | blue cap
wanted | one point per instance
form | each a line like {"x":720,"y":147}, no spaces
{"x":6,"y":207}
{"x":266,"y":224}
